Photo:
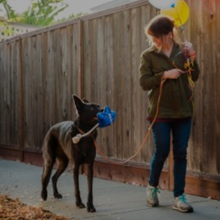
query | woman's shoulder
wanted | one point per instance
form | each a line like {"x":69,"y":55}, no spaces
{"x":148,"y":51}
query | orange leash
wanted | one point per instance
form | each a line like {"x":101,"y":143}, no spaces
{"x":145,"y":138}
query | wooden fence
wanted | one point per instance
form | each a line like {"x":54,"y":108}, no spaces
{"x":97,"y":57}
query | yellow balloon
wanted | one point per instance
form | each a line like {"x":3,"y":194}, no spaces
{"x":180,"y":12}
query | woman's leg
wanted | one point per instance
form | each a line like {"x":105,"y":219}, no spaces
{"x":161,"y":134}
{"x":181,"y":133}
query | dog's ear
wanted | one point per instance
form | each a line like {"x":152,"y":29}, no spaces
{"x":85,"y":100}
{"x":78,"y":104}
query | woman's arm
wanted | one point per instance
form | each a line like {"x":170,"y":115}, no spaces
{"x":188,"y":47}
{"x":148,"y":80}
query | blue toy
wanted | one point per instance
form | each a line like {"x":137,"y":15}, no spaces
{"x":105,"y":118}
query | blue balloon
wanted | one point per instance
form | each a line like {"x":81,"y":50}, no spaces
{"x":106,"y":118}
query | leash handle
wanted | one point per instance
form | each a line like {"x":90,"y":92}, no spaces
{"x":77,"y":138}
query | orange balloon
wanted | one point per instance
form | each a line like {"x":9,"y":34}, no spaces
{"x":180,"y":12}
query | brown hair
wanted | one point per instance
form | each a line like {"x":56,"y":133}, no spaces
{"x":159,"y":26}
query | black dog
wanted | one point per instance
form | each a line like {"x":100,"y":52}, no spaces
{"x":58,"y":146}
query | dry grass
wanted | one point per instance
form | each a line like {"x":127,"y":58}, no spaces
{"x":14,"y":209}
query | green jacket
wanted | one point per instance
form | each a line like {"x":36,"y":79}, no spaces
{"x":175,"y":99}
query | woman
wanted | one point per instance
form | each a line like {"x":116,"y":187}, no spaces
{"x":164,"y":62}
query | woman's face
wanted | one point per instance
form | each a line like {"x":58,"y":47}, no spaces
{"x":161,"y":41}
{"x":157,"y":41}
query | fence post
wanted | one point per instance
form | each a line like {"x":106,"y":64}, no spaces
{"x":80,"y":58}
{"x":21,"y":123}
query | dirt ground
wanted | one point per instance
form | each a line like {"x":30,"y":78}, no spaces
{"x":13,"y":209}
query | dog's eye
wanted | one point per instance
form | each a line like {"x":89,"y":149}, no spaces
{"x":94,"y":108}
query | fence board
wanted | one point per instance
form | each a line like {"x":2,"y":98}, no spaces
{"x":9,"y":95}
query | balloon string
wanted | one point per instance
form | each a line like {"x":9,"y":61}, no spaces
{"x":181,"y":25}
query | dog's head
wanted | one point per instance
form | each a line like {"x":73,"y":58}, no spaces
{"x":86,"y":111}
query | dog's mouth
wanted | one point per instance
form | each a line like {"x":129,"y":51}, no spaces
{"x":95,"y":118}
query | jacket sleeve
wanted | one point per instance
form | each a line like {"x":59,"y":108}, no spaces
{"x":147,"y":79}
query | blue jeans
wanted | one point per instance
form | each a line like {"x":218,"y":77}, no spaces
{"x":180,"y":133}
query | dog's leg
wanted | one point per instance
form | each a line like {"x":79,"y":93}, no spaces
{"x":62,"y":164}
{"x":49,"y":156}
{"x":48,"y":166}
{"x":90,"y":206}
{"x":79,"y":203}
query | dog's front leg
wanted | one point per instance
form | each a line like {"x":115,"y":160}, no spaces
{"x":90,"y":206}
{"x":79,"y":203}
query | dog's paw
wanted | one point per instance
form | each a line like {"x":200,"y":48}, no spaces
{"x":91,"y":208}
{"x":80,"y":205}
{"x":44,"y":195}
{"x":57,"y":196}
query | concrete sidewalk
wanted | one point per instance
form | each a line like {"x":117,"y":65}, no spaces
{"x":113,"y":201}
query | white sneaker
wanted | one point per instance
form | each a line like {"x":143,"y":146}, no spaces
{"x":152,"y":197}
{"x":181,"y":205}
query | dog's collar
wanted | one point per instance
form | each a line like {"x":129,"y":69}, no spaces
{"x":80,"y":130}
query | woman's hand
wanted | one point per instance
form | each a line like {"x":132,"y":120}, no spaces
{"x":172,"y":74}
{"x":188,"y":48}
